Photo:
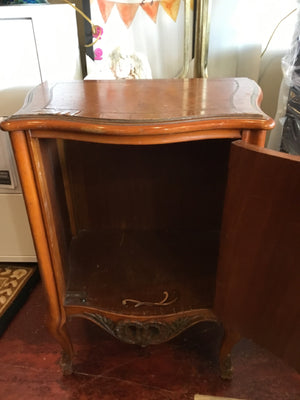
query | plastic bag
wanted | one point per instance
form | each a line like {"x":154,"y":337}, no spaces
{"x":290,"y":141}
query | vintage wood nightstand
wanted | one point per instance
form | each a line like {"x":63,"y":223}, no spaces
{"x":125,"y":184}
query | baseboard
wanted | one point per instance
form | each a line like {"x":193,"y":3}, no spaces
{"x":18,"y":259}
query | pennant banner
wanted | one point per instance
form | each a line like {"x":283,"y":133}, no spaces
{"x":151,"y":9}
{"x":128,"y":8}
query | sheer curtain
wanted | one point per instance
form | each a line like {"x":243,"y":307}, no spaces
{"x":153,"y":29}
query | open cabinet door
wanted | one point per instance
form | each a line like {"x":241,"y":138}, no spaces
{"x":258,"y":280}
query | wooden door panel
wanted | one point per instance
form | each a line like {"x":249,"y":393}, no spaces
{"x":258,"y":281}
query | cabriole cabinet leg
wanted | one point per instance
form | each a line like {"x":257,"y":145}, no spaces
{"x":230,"y":338}
{"x":60,"y":333}
{"x":66,"y":363}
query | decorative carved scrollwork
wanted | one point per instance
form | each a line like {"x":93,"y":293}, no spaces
{"x":141,"y":333}
{"x":139,"y":303}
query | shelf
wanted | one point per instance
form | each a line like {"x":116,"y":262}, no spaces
{"x":108,"y":267}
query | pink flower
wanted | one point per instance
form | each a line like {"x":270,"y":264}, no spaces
{"x":98,"y":53}
{"x":99,"y":31}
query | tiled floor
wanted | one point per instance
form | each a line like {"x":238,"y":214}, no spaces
{"x":109,"y":370}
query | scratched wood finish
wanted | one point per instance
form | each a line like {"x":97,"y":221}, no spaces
{"x":125,"y":192}
{"x":144,"y":111}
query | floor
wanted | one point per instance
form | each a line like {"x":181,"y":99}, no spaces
{"x":109,"y":370}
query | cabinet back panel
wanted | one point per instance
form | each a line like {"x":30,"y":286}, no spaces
{"x":158,"y":187}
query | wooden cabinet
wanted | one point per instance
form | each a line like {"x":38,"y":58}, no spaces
{"x":125,"y":184}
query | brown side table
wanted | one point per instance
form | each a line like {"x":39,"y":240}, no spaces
{"x":125,"y":184}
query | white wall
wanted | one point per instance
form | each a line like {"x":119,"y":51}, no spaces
{"x":239,"y":32}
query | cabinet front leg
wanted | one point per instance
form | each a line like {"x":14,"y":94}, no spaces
{"x":60,"y":333}
{"x":230,"y":338}
{"x":66,"y":363}
{"x":67,"y":350}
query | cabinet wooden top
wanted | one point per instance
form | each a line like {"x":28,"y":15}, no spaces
{"x":143,"y":107}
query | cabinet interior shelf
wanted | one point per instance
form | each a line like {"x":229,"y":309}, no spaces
{"x":125,"y":271}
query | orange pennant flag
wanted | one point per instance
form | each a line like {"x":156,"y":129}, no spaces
{"x":171,"y":7}
{"x":105,"y":8}
{"x":127,"y":12}
{"x":151,"y":9}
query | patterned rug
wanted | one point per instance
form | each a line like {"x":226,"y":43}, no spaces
{"x":16,"y":283}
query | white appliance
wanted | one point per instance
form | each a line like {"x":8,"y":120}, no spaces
{"x":37,"y":43}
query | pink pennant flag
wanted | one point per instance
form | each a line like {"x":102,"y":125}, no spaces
{"x":105,"y":8}
{"x":127,"y":12}
{"x":151,"y":8}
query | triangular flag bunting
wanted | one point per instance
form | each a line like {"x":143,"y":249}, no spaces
{"x":151,"y":9}
{"x":105,"y":8}
{"x":127,"y":12}
{"x":171,"y":7}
